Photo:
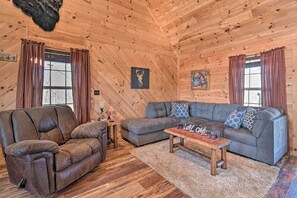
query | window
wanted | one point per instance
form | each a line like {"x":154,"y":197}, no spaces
{"x":252,"y":82}
{"x":57,"y":84}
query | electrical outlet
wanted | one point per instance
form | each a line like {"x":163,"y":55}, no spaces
{"x":96,"y":92}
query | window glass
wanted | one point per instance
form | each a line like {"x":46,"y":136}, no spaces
{"x":252,"y":82}
{"x":57,"y":84}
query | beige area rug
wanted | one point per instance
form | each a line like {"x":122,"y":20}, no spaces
{"x":244,"y":178}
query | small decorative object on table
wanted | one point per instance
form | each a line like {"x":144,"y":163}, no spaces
{"x":108,"y":113}
{"x":195,"y":129}
{"x":101,"y":117}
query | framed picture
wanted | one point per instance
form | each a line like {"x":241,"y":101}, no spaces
{"x":140,"y":78}
{"x":200,"y":79}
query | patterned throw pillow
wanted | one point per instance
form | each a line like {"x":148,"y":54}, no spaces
{"x":180,"y":110}
{"x":249,"y":118}
{"x":235,"y":119}
{"x":173,"y":109}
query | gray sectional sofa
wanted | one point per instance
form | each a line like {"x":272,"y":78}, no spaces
{"x":267,"y":142}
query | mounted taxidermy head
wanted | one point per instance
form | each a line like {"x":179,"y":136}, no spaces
{"x":45,"y":13}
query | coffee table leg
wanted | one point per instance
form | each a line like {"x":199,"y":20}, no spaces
{"x":182,"y":141}
{"x":213,"y":160}
{"x":171,"y":143}
{"x":115,"y":138}
{"x":224,"y":157}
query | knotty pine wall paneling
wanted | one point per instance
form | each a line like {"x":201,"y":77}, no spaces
{"x":205,"y":33}
{"x":119,"y":35}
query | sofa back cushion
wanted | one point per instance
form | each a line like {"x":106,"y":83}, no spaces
{"x":23,"y":127}
{"x":46,"y":123}
{"x":156,"y":110}
{"x":222,"y":111}
{"x":201,"y":110}
{"x":168,"y":108}
{"x":67,"y":120}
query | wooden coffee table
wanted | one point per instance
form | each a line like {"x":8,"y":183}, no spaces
{"x":204,"y":141}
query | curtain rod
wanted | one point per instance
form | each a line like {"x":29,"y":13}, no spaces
{"x":58,"y":49}
{"x":253,"y":55}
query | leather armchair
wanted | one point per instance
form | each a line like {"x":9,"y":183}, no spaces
{"x":45,"y":149}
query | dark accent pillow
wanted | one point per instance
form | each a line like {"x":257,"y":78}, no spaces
{"x":249,"y":118}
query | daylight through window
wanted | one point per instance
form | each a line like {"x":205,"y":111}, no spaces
{"x":57,"y":84}
{"x":252,"y":82}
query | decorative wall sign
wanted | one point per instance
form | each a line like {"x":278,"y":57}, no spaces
{"x":8,"y":57}
{"x":200,"y":79}
{"x":140,"y":78}
{"x":45,"y":13}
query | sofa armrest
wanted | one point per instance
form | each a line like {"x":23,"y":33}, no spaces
{"x":272,"y":142}
{"x":89,"y":130}
{"x":28,"y":147}
{"x":269,"y":114}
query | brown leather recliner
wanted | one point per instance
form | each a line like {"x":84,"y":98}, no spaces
{"x":45,"y":150}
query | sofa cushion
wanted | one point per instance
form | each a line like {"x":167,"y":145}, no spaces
{"x":62,"y":160}
{"x":235,"y":119}
{"x":222,"y":111}
{"x":240,"y":135}
{"x":156,"y":110}
{"x":93,"y":143}
{"x":76,"y":151}
{"x":168,"y":108}
{"x":202,"y":110}
{"x":144,"y":125}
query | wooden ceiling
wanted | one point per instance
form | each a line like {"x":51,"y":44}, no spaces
{"x":195,"y":25}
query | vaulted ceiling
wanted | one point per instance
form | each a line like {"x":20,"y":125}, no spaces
{"x":195,"y":25}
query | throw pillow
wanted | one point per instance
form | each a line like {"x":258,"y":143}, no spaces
{"x":235,"y":119}
{"x":173,"y":109}
{"x":181,"y":110}
{"x":249,"y":118}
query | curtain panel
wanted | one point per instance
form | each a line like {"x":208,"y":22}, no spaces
{"x":30,"y":75}
{"x":81,"y":84}
{"x":236,"y":79}
{"x":273,"y":77}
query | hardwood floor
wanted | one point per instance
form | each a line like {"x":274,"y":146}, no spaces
{"x":123,"y":175}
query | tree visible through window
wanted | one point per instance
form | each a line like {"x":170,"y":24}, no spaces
{"x":252,"y":82}
{"x":57,"y":84}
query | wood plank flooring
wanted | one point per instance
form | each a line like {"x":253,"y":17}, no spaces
{"x":123,"y":175}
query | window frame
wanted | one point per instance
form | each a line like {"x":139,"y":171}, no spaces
{"x":66,"y":61}
{"x":250,"y":63}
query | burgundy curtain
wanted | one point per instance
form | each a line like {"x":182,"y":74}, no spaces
{"x":30,"y":76}
{"x":236,"y":79}
{"x":81,"y":84}
{"x":273,"y":77}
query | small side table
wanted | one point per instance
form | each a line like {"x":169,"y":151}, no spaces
{"x":113,"y":129}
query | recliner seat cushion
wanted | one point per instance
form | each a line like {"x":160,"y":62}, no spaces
{"x":144,"y":125}
{"x":240,"y":135}
{"x":74,"y":151}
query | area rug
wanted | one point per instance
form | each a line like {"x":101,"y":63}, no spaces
{"x":243,"y":178}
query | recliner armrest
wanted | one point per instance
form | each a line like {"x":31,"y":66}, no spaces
{"x":28,"y":147}
{"x":89,"y":130}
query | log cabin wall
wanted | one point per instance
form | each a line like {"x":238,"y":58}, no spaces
{"x":205,"y":33}
{"x":119,"y":35}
